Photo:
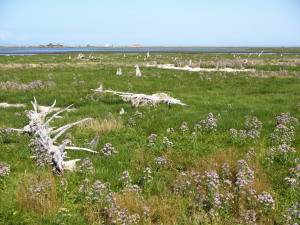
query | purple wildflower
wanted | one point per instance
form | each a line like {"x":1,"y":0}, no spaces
{"x":108,"y":150}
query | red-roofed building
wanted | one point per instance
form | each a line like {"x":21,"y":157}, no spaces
{"x":136,"y":45}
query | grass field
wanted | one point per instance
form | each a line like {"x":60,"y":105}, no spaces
{"x":228,"y":157}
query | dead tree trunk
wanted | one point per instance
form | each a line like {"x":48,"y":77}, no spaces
{"x":47,"y":136}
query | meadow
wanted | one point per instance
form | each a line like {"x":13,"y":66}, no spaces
{"x":231,"y":156}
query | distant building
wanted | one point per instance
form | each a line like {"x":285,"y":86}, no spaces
{"x":107,"y":45}
{"x":136,"y":45}
{"x":51,"y":45}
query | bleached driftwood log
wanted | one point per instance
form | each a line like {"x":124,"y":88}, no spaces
{"x":137,"y":72}
{"x":46,"y":137}
{"x":142,"y":99}
{"x":79,"y":57}
{"x":119,"y":71}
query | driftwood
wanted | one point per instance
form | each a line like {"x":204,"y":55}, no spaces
{"x":80,"y":56}
{"x":142,"y":99}
{"x":36,"y":118}
{"x":137,"y":72}
{"x":46,"y":137}
{"x":198,"y":69}
{"x":119,"y":71}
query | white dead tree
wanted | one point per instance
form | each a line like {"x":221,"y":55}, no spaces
{"x":79,"y":57}
{"x":148,"y":54}
{"x":137,"y":71}
{"x":142,"y":99}
{"x":46,"y":137}
{"x":36,"y":117}
{"x":122,"y":111}
{"x":119,"y":71}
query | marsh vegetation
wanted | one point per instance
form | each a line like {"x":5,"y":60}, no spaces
{"x":231,"y":156}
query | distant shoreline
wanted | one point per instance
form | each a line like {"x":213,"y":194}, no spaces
{"x":35,"y":50}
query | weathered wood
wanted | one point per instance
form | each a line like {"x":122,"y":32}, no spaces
{"x":43,"y":134}
{"x":138,"y":71}
{"x":142,"y":99}
{"x":119,"y":71}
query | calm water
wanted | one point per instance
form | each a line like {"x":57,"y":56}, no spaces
{"x":34,"y":51}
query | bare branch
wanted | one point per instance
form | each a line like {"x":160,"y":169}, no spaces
{"x":63,"y":129}
{"x":55,"y":114}
{"x":78,"y":148}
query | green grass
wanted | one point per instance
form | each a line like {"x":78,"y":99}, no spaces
{"x":248,"y":95}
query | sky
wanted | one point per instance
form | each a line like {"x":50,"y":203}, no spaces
{"x":222,"y":23}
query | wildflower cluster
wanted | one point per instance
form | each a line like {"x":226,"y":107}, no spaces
{"x":218,"y":192}
{"x":252,"y":123}
{"x":128,"y":186}
{"x":244,"y":177}
{"x":122,"y":216}
{"x":184,"y":127}
{"x":189,"y":183}
{"x":282,"y":153}
{"x":166,"y":142}
{"x":41,"y":188}
{"x":286,"y":119}
{"x":211,"y":182}
{"x":126,"y":178}
{"x":293,"y":180}
{"x":100,"y":195}
{"x":251,"y":132}
{"x":161,"y":160}
{"x":4,"y":169}
{"x":248,"y":217}
{"x":152,"y":138}
{"x":108,"y":150}
{"x":147,"y":178}
{"x":40,"y":153}
{"x":266,"y":200}
{"x":36,"y":84}
{"x":86,"y":166}
{"x":292,"y":215}
{"x":244,"y":135}
{"x":209,"y":125}
{"x":99,"y":191}
{"x":282,"y":134}
{"x":8,"y":135}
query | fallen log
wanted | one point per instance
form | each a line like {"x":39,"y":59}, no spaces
{"x":143,"y":99}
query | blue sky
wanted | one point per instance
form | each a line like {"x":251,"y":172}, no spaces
{"x":150,"y":23}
